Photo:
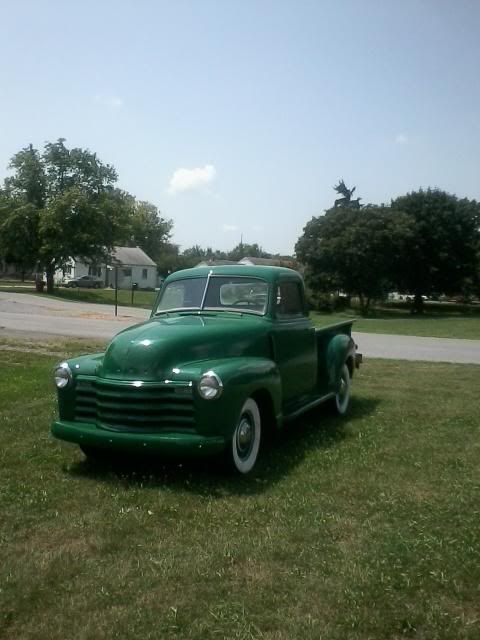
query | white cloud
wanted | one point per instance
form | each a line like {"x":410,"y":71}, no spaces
{"x":192,"y":179}
{"x":401,"y":138}
{"x":230,"y":227}
{"x":113,"y":102}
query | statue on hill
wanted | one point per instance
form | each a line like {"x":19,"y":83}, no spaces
{"x":346,"y":201}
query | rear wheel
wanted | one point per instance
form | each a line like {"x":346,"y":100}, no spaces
{"x":244,"y":447}
{"x":341,"y":400}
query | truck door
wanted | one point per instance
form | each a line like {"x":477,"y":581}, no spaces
{"x":294,"y":343}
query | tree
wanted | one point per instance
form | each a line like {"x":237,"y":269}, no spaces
{"x":149,"y":231}
{"x":75,"y":223}
{"x":442,"y":239}
{"x":352,"y":250}
{"x":66,"y":203}
{"x":251,"y":250}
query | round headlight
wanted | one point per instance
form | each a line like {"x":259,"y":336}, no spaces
{"x":62,"y":375}
{"x":210,"y":386}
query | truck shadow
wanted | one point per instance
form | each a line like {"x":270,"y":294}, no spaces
{"x":282,"y":452}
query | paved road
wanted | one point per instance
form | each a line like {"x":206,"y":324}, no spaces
{"x":23,"y":314}
{"x":26,"y":315}
{"x":378,"y":345}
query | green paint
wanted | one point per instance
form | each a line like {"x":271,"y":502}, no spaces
{"x":240,"y":322}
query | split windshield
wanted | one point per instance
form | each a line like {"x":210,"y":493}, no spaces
{"x":233,"y":293}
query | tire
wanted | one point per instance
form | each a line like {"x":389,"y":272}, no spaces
{"x":242,"y":452}
{"x":341,"y":400}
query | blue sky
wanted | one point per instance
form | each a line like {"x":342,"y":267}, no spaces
{"x":238,"y":116}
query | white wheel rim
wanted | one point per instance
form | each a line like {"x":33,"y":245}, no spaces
{"x":342,"y":398}
{"x":246,"y":437}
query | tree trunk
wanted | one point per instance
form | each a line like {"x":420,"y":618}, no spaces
{"x":364,"y":304}
{"x":417,"y":305}
{"x":50,"y":272}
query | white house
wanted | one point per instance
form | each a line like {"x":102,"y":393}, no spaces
{"x":131,"y":264}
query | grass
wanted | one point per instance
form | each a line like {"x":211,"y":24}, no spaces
{"x":143,"y":299}
{"x":356,"y":529}
{"x":445,"y":324}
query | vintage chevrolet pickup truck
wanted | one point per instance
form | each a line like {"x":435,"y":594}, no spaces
{"x":226,"y":352}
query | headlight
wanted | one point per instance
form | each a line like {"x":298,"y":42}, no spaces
{"x":210,"y":386}
{"x":62,"y":375}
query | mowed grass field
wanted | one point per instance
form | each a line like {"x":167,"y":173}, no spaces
{"x":143,"y":299}
{"x":360,"y":528}
{"x":446,"y":324}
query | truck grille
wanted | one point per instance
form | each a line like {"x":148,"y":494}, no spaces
{"x":126,"y":407}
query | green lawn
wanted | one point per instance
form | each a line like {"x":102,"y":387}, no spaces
{"x":144,"y":299}
{"x":401,"y":322}
{"x":355,"y":529}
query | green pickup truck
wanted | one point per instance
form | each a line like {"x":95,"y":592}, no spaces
{"x":227,"y":352}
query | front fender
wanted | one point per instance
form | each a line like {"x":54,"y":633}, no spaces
{"x":241,"y":378}
{"x":340,"y":348}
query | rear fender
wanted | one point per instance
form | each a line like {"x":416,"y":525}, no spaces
{"x":340,"y":350}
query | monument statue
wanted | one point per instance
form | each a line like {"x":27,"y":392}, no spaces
{"x":346,"y":201}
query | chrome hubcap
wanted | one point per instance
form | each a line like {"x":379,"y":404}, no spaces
{"x":244,"y":437}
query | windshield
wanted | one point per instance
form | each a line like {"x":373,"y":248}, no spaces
{"x":235,"y":293}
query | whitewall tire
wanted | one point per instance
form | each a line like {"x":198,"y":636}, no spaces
{"x":245,"y":443}
{"x":342,"y":397}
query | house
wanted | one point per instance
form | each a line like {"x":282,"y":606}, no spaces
{"x":129,"y":264}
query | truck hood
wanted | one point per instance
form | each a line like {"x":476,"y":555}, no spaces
{"x":151,"y":350}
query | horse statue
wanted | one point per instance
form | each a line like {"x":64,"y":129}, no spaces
{"x":346,"y":201}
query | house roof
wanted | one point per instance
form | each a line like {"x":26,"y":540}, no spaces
{"x":131,"y":257}
{"x":272,"y":262}
{"x":215,"y":263}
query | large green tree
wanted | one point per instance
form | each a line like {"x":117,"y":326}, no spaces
{"x":442,"y":240}
{"x":353,"y":250}
{"x":66,"y":203}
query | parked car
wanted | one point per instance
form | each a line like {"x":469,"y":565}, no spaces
{"x":84,"y":281}
{"x":227,"y":352}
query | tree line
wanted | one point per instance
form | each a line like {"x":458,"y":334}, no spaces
{"x":424,"y":243}
{"x":63,"y":202}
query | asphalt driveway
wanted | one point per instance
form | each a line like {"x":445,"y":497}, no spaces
{"x":43,"y":317}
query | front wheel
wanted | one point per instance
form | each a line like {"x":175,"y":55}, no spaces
{"x":242,"y":452}
{"x":342,"y":397}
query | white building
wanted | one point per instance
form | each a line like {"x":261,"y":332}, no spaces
{"x":131,"y":265}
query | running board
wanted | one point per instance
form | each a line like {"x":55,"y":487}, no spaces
{"x":308,"y":406}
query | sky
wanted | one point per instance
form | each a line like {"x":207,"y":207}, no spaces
{"x":237,"y":117}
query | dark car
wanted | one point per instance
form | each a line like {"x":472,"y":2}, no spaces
{"x":90,"y":282}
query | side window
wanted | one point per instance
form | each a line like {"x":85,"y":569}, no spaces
{"x":127,"y":272}
{"x":289,"y":300}
{"x":144,"y":274}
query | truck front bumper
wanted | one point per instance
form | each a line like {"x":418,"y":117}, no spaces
{"x":170,"y":444}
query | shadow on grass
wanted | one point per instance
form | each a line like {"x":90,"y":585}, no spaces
{"x":283,"y":452}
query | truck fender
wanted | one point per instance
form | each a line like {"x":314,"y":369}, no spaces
{"x":242,"y":378}
{"x":340,"y":350}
